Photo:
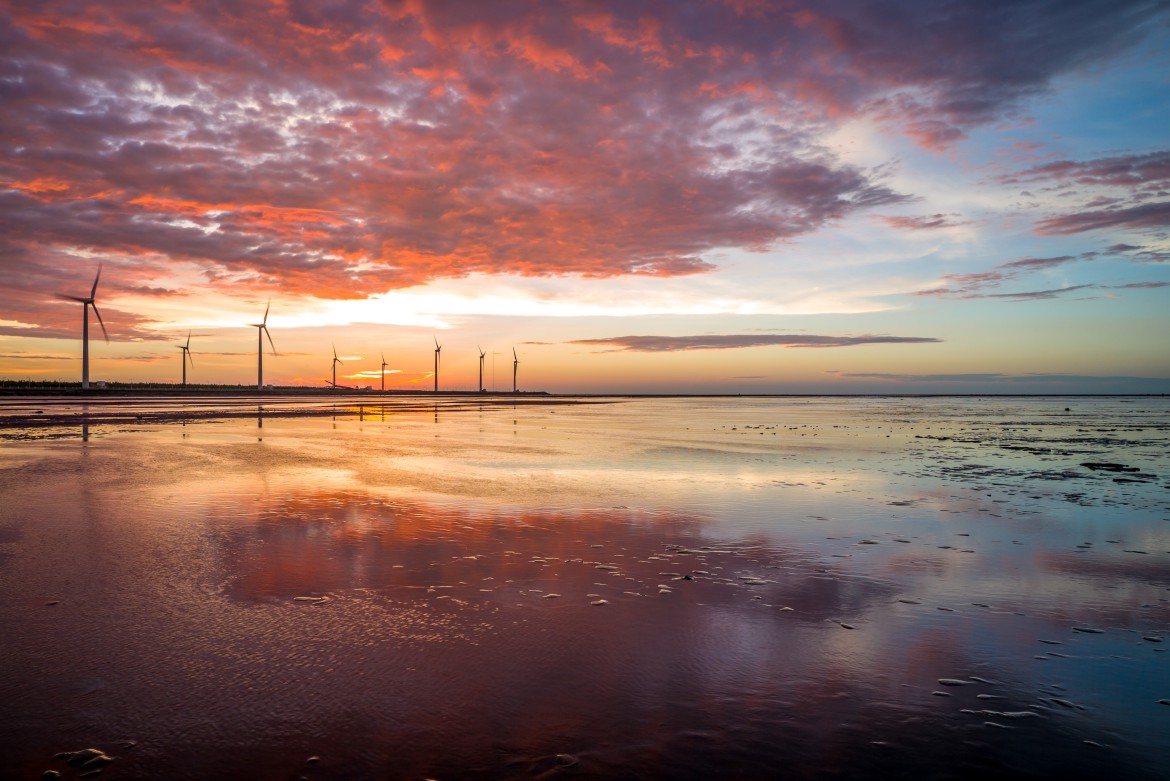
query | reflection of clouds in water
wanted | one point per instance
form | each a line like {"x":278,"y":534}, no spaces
{"x":439,"y":648}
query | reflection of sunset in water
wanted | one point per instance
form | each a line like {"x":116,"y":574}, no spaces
{"x":604,"y":591}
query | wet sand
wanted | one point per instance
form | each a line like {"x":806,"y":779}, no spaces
{"x":655,"y":588}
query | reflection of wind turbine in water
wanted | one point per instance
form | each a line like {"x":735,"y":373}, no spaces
{"x":481,"y":355}
{"x":384,"y":364}
{"x":186,"y":348}
{"x":438,"y":349}
{"x":86,"y":303}
{"x":515,"y":366}
{"x":336,"y":361}
{"x":261,"y":332}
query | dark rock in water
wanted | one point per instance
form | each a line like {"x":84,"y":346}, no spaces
{"x":566,"y":760}
{"x":1061,"y":702}
{"x":952,"y":682}
{"x":1152,"y":639}
{"x":846,"y":626}
{"x":312,"y":760}
{"x":1101,"y":466}
{"x":940,"y":694}
{"x":1088,"y":630}
{"x":52,"y":603}
{"x":1164,"y":702}
{"x":1052,"y":642}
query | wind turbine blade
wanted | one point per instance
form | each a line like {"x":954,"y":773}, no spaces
{"x":383,"y":359}
{"x":436,"y":342}
{"x":270,"y":344}
{"x":99,"y":317}
{"x":93,"y":293}
{"x":189,"y":358}
{"x":514,"y":354}
{"x":78,"y":299}
{"x":265,"y":320}
{"x":188,"y":340}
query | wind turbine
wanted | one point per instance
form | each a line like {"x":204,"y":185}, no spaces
{"x":481,"y":355}
{"x":384,"y":365}
{"x":336,"y":361}
{"x":86,"y":303}
{"x":186,"y":348}
{"x":261,"y":332}
{"x":515,"y":366}
{"x":438,"y":349}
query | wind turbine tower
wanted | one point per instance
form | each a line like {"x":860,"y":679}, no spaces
{"x":186,"y":348}
{"x":438,"y":349}
{"x":384,"y":372}
{"x":515,"y":367}
{"x":86,"y":303}
{"x":481,"y":355}
{"x":336,"y":361}
{"x":261,"y":332}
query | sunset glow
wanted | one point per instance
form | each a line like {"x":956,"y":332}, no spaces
{"x":717,"y":196}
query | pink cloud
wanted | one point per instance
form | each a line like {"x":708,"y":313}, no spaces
{"x":349,"y":148}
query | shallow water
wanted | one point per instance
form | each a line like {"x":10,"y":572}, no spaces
{"x":619,"y":588}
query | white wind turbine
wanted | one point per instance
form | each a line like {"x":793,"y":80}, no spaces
{"x":336,"y":361}
{"x":261,"y":332}
{"x":384,"y":365}
{"x":86,"y":303}
{"x":481,"y":355}
{"x":438,"y":349}
{"x":186,"y":348}
{"x":515,"y":366}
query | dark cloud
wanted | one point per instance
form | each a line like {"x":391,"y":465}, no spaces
{"x":1141,"y":285}
{"x":1038,"y":295}
{"x":1127,"y":171}
{"x":1146,"y":215}
{"x":1002,"y":378}
{"x":1038,"y":263}
{"x":654,"y":344}
{"x":925,"y":222}
{"x":347,"y":148}
{"x":30,"y":357}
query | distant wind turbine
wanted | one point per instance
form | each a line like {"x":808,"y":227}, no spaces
{"x":86,"y":303}
{"x":186,"y":348}
{"x":438,"y":349}
{"x":515,"y":366}
{"x":481,"y":355}
{"x":336,"y":361}
{"x":384,"y":364}
{"x":261,"y":332}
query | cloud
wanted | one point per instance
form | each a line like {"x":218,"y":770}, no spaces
{"x":654,"y":344}
{"x":1141,"y":285}
{"x":346,"y":149}
{"x":30,"y":357}
{"x":997,"y":377}
{"x":925,"y":222}
{"x":1128,"y":171}
{"x":1038,"y":295}
{"x":1039,"y":263}
{"x":1146,"y":215}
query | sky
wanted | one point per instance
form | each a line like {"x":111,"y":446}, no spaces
{"x":693,"y":196}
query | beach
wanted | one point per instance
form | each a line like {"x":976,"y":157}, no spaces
{"x":867,"y":587}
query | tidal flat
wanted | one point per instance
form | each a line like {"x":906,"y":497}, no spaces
{"x":627,"y":588}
